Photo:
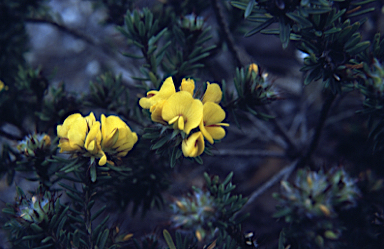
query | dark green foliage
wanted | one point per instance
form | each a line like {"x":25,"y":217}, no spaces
{"x":189,"y":36}
{"x":173,"y":38}
{"x":253,"y":90}
{"x":312,"y":205}
{"x":39,"y":221}
{"x":320,"y":29}
{"x":8,"y":162}
{"x":109,"y":93}
{"x":145,"y":176}
{"x":142,"y":29}
{"x":116,"y":10}
{"x":204,"y":211}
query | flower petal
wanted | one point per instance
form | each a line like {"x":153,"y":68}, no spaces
{"x":166,"y":90}
{"x":62,"y":130}
{"x":212,"y":113}
{"x":188,"y":85}
{"x":90,"y":119}
{"x":156,"y":111}
{"x":77,"y":132}
{"x":205,"y":132}
{"x":217,"y":132}
{"x":93,"y":140}
{"x":193,"y":146}
{"x":183,"y":104}
{"x":213,"y":93}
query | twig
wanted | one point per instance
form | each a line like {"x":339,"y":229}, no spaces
{"x":320,"y":124}
{"x":256,"y":153}
{"x":226,"y":32}
{"x":267,"y":132}
{"x":9,"y":135}
{"x":63,"y":29}
{"x":292,"y":147}
{"x":104,"y":48}
{"x":283,"y":172}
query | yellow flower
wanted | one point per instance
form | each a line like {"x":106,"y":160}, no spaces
{"x":210,"y":126}
{"x":182,"y":110}
{"x":166,"y":90}
{"x":92,"y":142}
{"x":47,"y":140}
{"x":193,"y":146}
{"x":3,"y":86}
{"x":156,"y":112}
{"x":213,"y":93}
{"x":90,"y":120}
{"x":253,"y":68}
{"x":117,"y":137}
{"x":72,"y":133}
{"x":188,"y":85}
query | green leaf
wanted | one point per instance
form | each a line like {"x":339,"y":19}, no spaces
{"x":303,"y":22}
{"x":94,"y":216}
{"x":132,"y":55}
{"x":228,"y":178}
{"x":363,"y":2}
{"x":160,"y":143}
{"x":93,"y":172}
{"x":285,"y":31}
{"x":360,"y":47}
{"x":103,"y":239}
{"x":281,"y":240}
{"x":100,"y":226}
{"x":31,"y":237}
{"x":154,"y":39}
{"x":332,"y":30}
{"x":313,"y":75}
{"x":361,"y":12}
{"x":197,"y":58}
{"x":249,"y":8}
{"x":260,"y":27}
{"x":8,"y":211}
{"x":353,"y":41}
{"x":36,"y":228}
{"x":46,"y":239}
{"x":44,"y":246}
{"x":239,"y":5}
{"x":76,"y":238}
{"x":207,"y":179}
{"x":168,"y":239}
{"x":199,"y":160}
{"x":336,"y":16}
{"x":318,"y":10}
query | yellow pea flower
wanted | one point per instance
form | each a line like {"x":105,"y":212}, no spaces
{"x":188,"y":85}
{"x":213,"y":93}
{"x":92,"y":142}
{"x":90,"y":120}
{"x":3,"y":86}
{"x":211,"y":124}
{"x":117,"y":137}
{"x":156,"y":112}
{"x":253,"y":68}
{"x":193,"y":146}
{"x":72,"y":133}
{"x":182,"y":110}
{"x":166,"y":90}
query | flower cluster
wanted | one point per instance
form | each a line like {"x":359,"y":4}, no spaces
{"x":112,"y":137}
{"x":316,"y":194}
{"x":194,"y":213}
{"x":36,"y":209}
{"x":186,"y":113}
{"x":312,"y":204}
{"x":35,"y":145}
